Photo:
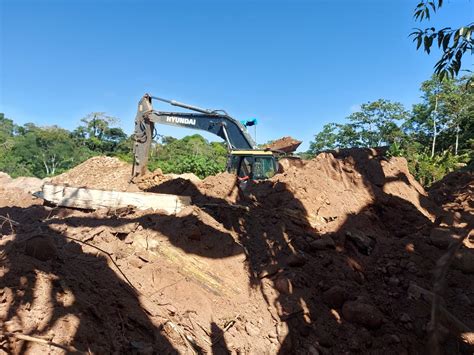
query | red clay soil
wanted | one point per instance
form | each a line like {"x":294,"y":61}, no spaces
{"x":322,"y":259}
{"x":285,"y":144}
{"x":100,"y":172}
{"x":455,"y":191}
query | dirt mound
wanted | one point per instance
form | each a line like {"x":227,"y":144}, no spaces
{"x":17,"y":197}
{"x":287,"y":162}
{"x":25,"y":183}
{"x":324,"y":258}
{"x":4,"y":177}
{"x":217,"y":187}
{"x":99,"y":173}
{"x":150,"y":179}
{"x":455,"y":191}
{"x":330,"y":189}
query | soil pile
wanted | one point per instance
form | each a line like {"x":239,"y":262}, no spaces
{"x":327,"y":190}
{"x":325,"y":258}
{"x":212,"y":189}
{"x":285,"y":144}
{"x":4,"y":178}
{"x":455,"y":192}
{"x":25,"y":183}
{"x":100,"y":172}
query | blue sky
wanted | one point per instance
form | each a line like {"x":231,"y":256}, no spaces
{"x":294,"y":65}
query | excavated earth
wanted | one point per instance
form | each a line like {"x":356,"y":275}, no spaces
{"x":328,"y":257}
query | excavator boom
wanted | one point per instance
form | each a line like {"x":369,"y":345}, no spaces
{"x":217,"y":122}
{"x":245,"y":160}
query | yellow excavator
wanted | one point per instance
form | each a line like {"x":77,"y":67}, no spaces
{"x":244,"y":159}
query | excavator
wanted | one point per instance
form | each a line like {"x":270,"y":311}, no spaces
{"x":244,"y":159}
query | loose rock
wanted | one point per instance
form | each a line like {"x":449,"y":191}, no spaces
{"x":322,"y":243}
{"x":335,"y":297}
{"x":363,"y":314}
{"x":441,"y":237}
{"x":41,"y":247}
{"x":364,"y":244}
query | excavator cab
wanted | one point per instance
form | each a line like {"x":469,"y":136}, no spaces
{"x":252,"y":164}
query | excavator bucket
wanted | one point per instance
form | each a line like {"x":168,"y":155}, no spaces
{"x":285,"y":145}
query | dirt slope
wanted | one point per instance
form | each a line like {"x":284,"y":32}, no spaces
{"x":321,"y":259}
{"x":99,"y":173}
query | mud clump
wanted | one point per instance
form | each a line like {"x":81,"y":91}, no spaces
{"x":41,"y":248}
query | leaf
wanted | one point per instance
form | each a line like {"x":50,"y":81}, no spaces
{"x":446,"y":41}
{"x":440,"y":38}
{"x":456,"y":38}
{"x":417,"y":14}
{"x":442,"y":74}
{"x":428,"y":41}
{"x":433,"y":6}
{"x":419,"y":41}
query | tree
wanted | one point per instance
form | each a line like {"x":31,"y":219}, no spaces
{"x":443,"y":120}
{"x":374,"y":125}
{"x":376,"y":122}
{"x":324,"y":140}
{"x":97,"y":123}
{"x":192,"y":154}
{"x":7,"y":128}
{"x":454,"y":43}
{"x":98,"y":134}
{"x":46,"y":151}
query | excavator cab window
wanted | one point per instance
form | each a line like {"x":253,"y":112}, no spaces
{"x":233,"y":164}
{"x":263,"y":167}
{"x":252,"y":167}
{"x":246,"y":168}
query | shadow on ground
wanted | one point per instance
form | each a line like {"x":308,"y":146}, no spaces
{"x":314,"y":290}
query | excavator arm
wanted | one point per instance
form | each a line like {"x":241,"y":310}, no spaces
{"x":217,"y":122}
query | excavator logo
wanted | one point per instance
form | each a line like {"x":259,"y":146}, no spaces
{"x":181,"y":120}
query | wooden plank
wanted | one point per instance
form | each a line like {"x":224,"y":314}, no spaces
{"x":68,"y":196}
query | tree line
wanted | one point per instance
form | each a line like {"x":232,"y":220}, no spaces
{"x":31,"y":150}
{"x":436,"y":136}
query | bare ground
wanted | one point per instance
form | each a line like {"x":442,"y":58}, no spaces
{"x":324,"y":258}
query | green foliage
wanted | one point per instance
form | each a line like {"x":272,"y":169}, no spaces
{"x":444,"y":115}
{"x":30,"y":150}
{"x":200,"y":165}
{"x":192,"y":154}
{"x":453,"y":42}
{"x":436,"y":137}
{"x":97,"y":134}
{"x":374,"y":125}
{"x":42,"y":152}
{"x":425,"y":168}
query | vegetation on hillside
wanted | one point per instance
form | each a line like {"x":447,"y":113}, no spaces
{"x":436,"y":135}
{"x":30,"y":150}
